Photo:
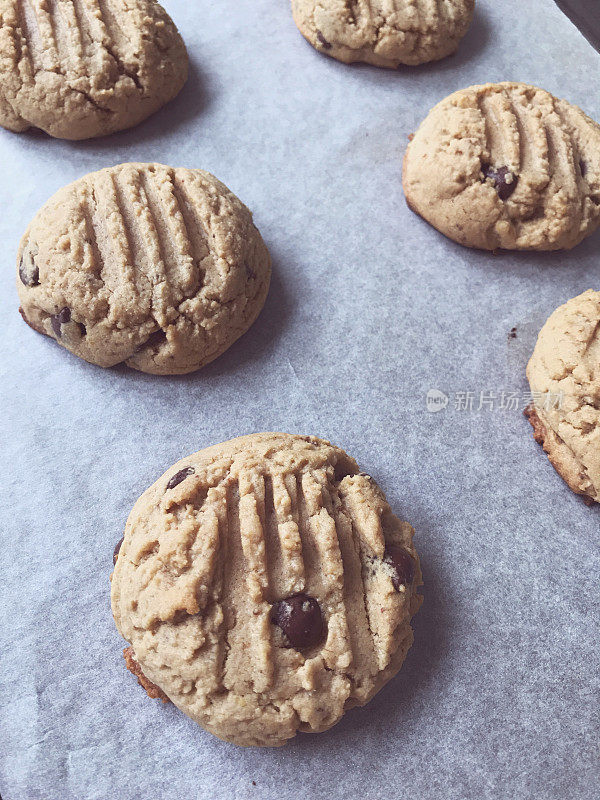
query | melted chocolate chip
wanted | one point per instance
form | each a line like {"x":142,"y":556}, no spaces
{"x":56,"y":320}
{"x":323,"y":41}
{"x":582,"y":167}
{"x":29,"y":276}
{"x":116,"y":550}
{"x":402,"y":564}
{"x":505,"y":181}
{"x":179,"y":477}
{"x":300,"y":619}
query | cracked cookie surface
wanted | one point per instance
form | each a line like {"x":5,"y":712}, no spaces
{"x":83,"y":68}
{"x":386,"y":33}
{"x":266,"y":587}
{"x":161,"y":268}
{"x":508,"y":166}
{"x":564,"y":375}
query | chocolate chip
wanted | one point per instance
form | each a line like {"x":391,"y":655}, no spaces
{"x":29,"y":276}
{"x":505,"y":181}
{"x":179,"y":477}
{"x":63,"y":316}
{"x":300,"y":619}
{"x":402,"y":564}
{"x":582,"y":167}
{"x":116,"y":550}
{"x":82,"y":328}
{"x":323,"y":41}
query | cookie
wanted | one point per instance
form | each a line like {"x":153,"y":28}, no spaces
{"x":564,"y":375}
{"x":506,"y":165}
{"x":83,"y":68}
{"x":381,"y":32}
{"x":157,"y":267}
{"x":266,"y":587}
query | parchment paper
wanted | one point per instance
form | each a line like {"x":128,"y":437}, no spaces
{"x":369,"y":310}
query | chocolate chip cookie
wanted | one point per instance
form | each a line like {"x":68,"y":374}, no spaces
{"x":266,"y":587}
{"x":157,"y":267}
{"x":83,"y":68}
{"x":386,"y":33}
{"x":564,"y":375}
{"x":508,"y":166}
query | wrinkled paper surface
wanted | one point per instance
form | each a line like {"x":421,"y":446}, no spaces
{"x":369,"y":310}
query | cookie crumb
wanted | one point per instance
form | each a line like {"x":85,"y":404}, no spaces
{"x":513,"y":333}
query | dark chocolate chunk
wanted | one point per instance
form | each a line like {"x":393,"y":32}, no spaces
{"x":82,"y":328}
{"x":56,"y":320}
{"x":29,"y":275}
{"x":582,"y":167}
{"x":179,"y":477}
{"x":116,"y":550}
{"x":323,"y":41}
{"x":300,"y":619}
{"x":505,"y":181}
{"x":402,"y":564}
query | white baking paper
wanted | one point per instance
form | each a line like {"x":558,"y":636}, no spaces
{"x":370,"y":309}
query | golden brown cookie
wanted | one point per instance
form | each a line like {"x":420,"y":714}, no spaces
{"x":157,"y":267}
{"x":386,"y":33}
{"x":266,"y":587}
{"x":564,"y":375}
{"x":83,"y":68}
{"x":506,"y":165}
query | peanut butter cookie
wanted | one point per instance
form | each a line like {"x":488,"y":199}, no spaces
{"x":386,"y":33}
{"x":506,"y":165}
{"x":157,"y":267}
{"x":564,"y":375}
{"x":266,"y":587}
{"x":83,"y":68}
